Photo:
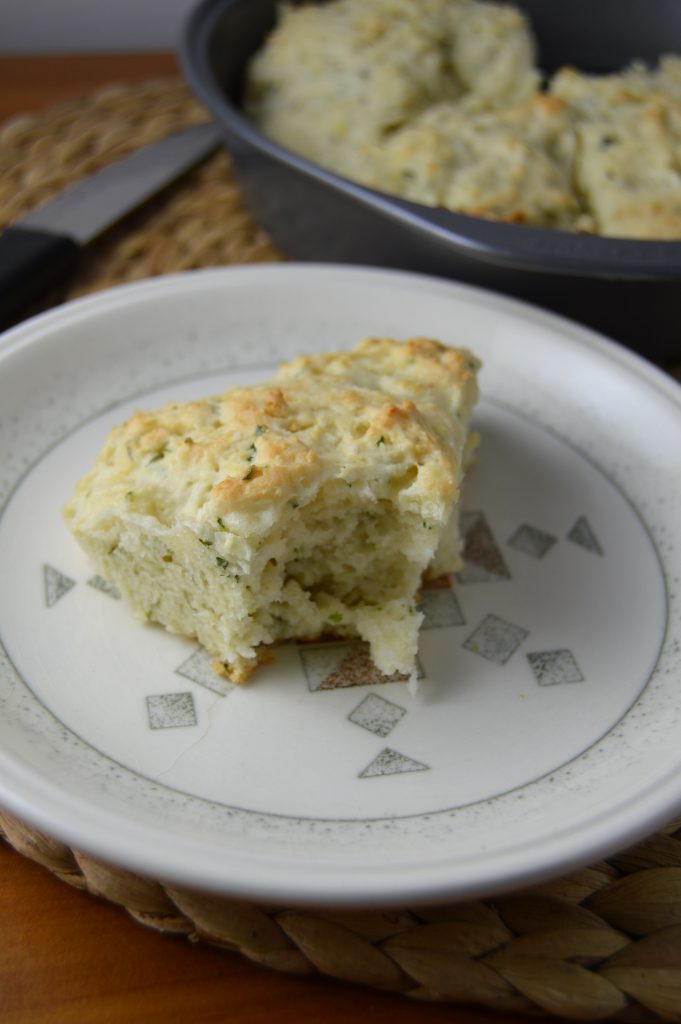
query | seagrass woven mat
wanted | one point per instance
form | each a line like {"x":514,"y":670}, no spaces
{"x":600,"y":943}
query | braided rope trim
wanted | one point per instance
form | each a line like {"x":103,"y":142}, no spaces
{"x":601,"y":943}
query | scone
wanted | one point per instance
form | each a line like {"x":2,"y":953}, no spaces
{"x":308,"y":506}
{"x":627,"y":130}
{"x":335,"y":80}
{"x":504,"y":164}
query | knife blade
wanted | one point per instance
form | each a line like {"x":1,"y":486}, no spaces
{"x":44,"y":248}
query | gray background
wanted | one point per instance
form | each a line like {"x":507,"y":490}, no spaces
{"x":98,"y":26}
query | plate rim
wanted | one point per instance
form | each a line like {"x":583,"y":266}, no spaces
{"x":14,"y":338}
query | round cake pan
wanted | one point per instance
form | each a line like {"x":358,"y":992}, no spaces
{"x":625,"y":288}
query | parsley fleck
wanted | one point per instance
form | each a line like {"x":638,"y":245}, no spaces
{"x":249,"y":474}
{"x":221,"y":524}
{"x":206,"y":543}
{"x":156,"y":456}
{"x":222,"y":562}
{"x":381,"y":440}
{"x":335,"y":617}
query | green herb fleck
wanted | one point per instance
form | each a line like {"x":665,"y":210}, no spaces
{"x":294,"y":504}
{"x":222,"y":562}
{"x":249,"y":474}
{"x":381,"y":440}
{"x":206,"y":543}
{"x":156,"y":456}
{"x":130,"y":495}
{"x":113,"y":548}
{"x":167,"y":558}
{"x":259,"y":430}
{"x":221,"y":524}
{"x":335,"y":617}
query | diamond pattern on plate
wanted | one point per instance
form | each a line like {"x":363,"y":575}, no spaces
{"x":531,"y":541}
{"x":441,"y":608}
{"x":56,"y":584}
{"x":482,"y":557}
{"x":496,"y":639}
{"x":377,"y":714}
{"x":391,"y":762}
{"x":332,"y":666}
{"x":199,"y":668}
{"x":582,"y":534}
{"x":552,"y":667}
{"x":105,"y":587}
{"x":171,"y":711}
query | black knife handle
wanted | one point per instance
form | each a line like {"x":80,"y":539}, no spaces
{"x":31,"y":262}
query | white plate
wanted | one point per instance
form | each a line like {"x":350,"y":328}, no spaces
{"x":547,"y":730}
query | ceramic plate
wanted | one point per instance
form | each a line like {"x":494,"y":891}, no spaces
{"x":547,"y":728}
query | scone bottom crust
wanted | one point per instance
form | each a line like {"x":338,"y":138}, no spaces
{"x":307,"y":507}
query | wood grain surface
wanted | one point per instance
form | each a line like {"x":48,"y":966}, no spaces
{"x":66,"y":956}
{"x":33,"y":83}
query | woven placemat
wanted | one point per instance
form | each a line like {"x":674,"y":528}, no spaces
{"x":600,"y":943}
{"x":201,"y":222}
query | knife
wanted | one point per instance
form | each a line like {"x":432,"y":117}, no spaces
{"x":44,"y":248}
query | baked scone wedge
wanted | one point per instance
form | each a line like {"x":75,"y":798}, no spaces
{"x":305,"y":507}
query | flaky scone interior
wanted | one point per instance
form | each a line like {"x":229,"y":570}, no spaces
{"x":309,"y":506}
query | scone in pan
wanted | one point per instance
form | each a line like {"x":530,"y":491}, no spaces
{"x":625,"y":287}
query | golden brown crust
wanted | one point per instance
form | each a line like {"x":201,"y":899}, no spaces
{"x":240,"y":672}
{"x":264,"y":445}
{"x":286,"y":465}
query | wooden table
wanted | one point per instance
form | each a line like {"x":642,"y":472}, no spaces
{"x":67,"y":957}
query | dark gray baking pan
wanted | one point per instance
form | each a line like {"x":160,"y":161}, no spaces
{"x":630,"y":290}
